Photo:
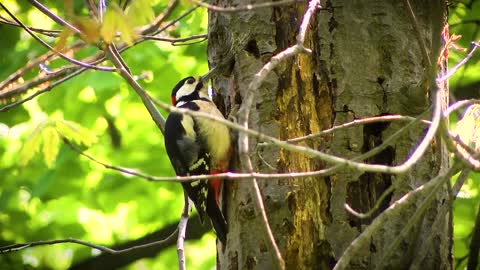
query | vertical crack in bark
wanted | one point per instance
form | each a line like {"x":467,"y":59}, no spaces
{"x":363,"y":194}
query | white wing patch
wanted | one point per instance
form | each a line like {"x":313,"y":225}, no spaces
{"x":198,"y":163}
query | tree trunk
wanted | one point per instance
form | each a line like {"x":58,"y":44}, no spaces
{"x":366,"y":61}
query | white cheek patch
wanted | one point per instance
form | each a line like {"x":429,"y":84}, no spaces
{"x":185,"y":90}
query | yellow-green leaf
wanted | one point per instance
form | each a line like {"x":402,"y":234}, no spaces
{"x":50,"y":145}
{"x":109,"y":25}
{"x":140,"y":12}
{"x":63,"y":38}
{"x":115,"y":21}
{"x":76,"y":133}
{"x":128,"y":34}
{"x":89,"y":29}
{"x":31,"y":145}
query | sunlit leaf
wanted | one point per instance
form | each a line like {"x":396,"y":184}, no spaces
{"x":109,"y":26}
{"x":75,"y":132}
{"x":63,"y":38}
{"x":89,"y":28}
{"x":140,"y":12}
{"x":128,"y":34}
{"x":50,"y":145}
{"x":116,"y":21}
{"x":31,"y":145}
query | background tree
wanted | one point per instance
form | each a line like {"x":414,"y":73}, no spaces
{"x":349,"y":62}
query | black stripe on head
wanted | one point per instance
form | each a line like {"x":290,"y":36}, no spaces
{"x":180,"y":84}
{"x":193,"y":87}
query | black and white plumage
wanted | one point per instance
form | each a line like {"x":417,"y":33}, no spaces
{"x":199,"y":146}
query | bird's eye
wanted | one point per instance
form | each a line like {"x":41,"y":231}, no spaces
{"x":191,"y":80}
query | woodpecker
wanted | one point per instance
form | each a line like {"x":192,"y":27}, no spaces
{"x":199,"y":146}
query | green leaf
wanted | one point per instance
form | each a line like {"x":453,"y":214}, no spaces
{"x":116,"y":21}
{"x":31,"y":145}
{"x":50,"y":145}
{"x":140,"y":12}
{"x":76,"y":133}
{"x":109,"y":26}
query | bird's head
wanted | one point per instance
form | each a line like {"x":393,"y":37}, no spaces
{"x":191,"y":88}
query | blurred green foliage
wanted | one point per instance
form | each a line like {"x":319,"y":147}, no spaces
{"x":464,"y":20}
{"x":48,"y":191}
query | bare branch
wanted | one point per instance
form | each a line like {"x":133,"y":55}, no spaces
{"x":427,"y":191}
{"x":418,"y":34}
{"x":166,"y":26}
{"x":174,"y":41}
{"x":246,"y":7}
{"x":182,"y":228}
{"x":74,"y":61}
{"x":44,"y":90}
{"x":47,"y":32}
{"x":115,"y":57}
{"x":17,"y":74}
{"x":460,"y":181}
{"x":53,"y":16}
{"x":157,"y":21}
{"x":250,"y":175}
{"x":453,"y":70}
{"x":259,"y":202}
{"x":244,"y":116}
{"x":375,"y":208}
{"x":459,"y":104}
{"x":356,"y":122}
{"x":17,"y":247}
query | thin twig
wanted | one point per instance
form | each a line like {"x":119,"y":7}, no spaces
{"x":72,"y":60}
{"x":374,"y":209}
{"x":157,"y":21}
{"x":174,"y":41}
{"x":182,"y":228}
{"x":115,"y":57}
{"x":32,"y":64}
{"x":454,"y":69}
{"x":356,"y":122}
{"x":244,"y":120}
{"x":97,"y":59}
{"x":321,"y":155}
{"x":246,"y":7}
{"x":17,"y":247}
{"x":229,"y":175}
{"x":44,"y":90}
{"x":46,"y":32}
{"x":460,"y":181}
{"x":53,"y":16}
{"x":166,"y":26}
{"x":428,"y":189}
{"x":415,"y":218}
{"x":418,"y":33}
{"x":459,"y":104}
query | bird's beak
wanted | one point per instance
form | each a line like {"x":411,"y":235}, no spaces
{"x":207,"y":76}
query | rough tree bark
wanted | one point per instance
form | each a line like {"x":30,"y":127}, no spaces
{"x":366,"y":61}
